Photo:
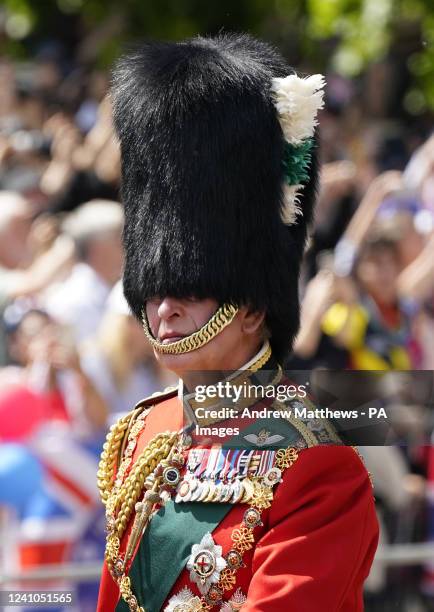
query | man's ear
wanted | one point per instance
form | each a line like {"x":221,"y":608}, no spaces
{"x":251,"y":320}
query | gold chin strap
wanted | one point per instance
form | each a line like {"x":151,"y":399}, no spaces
{"x":220,"y":319}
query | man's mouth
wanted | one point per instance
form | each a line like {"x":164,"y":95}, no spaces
{"x":169,"y":338}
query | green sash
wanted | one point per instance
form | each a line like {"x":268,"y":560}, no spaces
{"x":161,"y":557}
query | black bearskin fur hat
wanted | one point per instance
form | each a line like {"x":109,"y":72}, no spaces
{"x":202,"y":178}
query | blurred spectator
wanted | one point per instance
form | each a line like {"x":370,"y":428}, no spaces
{"x":51,"y":422}
{"x":26,"y":267}
{"x":46,"y":383}
{"x":359,"y":323}
{"x":79,"y":300}
{"x":118,"y":361}
{"x":81,"y":170}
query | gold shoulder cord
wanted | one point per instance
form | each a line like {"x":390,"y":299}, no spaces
{"x":114,"y":446}
{"x":110,"y":454}
{"x":122,"y":496}
{"x":123,"y":499}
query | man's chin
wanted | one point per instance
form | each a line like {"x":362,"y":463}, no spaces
{"x":177,"y":362}
{"x":199,"y":360}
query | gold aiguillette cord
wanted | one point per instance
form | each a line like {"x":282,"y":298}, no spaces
{"x":143,"y":513}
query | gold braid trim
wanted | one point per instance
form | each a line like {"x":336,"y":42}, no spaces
{"x":221,"y":319}
{"x":261,"y":362}
{"x":109,"y":456}
{"x":157,"y":450}
{"x":142,"y":409}
{"x":137,"y":411}
{"x":362,"y":459}
{"x":303,"y":429}
{"x":121,"y":503}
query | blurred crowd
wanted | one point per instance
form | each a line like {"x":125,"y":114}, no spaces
{"x":72,"y":357}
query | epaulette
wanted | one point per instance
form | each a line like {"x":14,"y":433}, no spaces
{"x":147,"y":402}
{"x":157,"y":397}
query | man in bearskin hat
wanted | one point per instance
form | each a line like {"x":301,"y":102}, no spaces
{"x":219,"y":173}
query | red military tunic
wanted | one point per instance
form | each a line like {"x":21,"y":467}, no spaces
{"x":314,"y":549}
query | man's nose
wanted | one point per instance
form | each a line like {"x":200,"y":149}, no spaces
{"x":169,"y":307}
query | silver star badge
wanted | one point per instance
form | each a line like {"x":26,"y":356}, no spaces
{"x":205,"y":563}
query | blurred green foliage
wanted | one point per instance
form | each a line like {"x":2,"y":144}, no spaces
{"x":345,"y":35}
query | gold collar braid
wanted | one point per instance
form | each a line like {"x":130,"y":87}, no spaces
{"x":220,"y":319}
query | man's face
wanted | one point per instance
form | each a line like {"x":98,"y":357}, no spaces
{"x":378,"y":272}
{"x":171,"y":319}
{"x":14,"y":237}
{"x":105,"y":255}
